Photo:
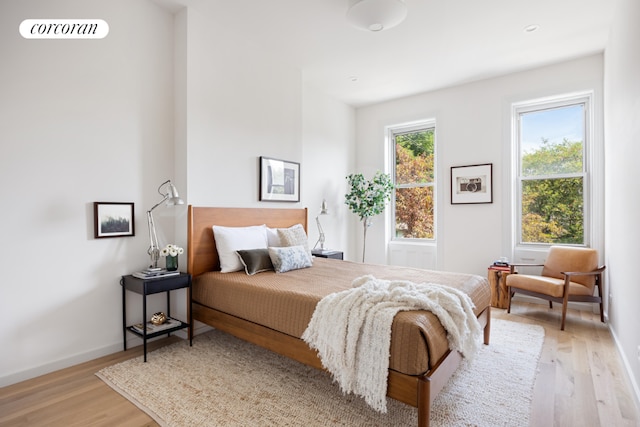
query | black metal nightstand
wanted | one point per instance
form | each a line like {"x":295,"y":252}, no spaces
{"x":328,"y":254}
{"x":146,"y":287}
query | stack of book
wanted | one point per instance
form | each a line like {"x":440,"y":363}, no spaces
{"x":154,"y":273}
{"x":151,"y":328}
{"x":500,"y":265}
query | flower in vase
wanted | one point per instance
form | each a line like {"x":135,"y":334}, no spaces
{"x":171,"y":250}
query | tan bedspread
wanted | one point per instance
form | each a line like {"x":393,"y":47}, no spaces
{"x":285,"y":302}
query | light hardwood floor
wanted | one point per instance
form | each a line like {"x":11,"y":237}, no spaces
{"x":580,"y":382}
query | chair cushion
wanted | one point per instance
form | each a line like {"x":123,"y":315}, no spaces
{"x":546,"y":285}
{"x":570,"y":258}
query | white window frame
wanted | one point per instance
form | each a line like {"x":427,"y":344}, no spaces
{"x":392,"y":131}
{"x":589,"y":166}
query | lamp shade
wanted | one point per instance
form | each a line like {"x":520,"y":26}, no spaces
{"x":173,"y":198}
{"x":376,"y":15}
{"x":323,"y":208}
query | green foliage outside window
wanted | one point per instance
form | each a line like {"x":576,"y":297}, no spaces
{"x":414,"y":199}
{"x":553,"y":208}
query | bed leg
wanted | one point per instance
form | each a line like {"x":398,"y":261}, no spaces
{"x":424,"y":401}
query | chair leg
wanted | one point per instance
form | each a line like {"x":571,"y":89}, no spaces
{"x":509,"y":293}
{"x":601,"y":311}
{"x":550,"y":304}
{"x":565,"y":303}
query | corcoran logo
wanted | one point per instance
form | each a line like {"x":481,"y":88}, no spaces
{"x":64,"y":29}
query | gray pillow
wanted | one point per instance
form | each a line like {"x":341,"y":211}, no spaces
{"x":289,"y":258}
{"x":255,"y":260}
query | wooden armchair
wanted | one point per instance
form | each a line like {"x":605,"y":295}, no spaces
{"x":568,"y":274}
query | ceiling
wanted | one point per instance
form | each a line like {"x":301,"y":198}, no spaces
{"x":441,"y":43}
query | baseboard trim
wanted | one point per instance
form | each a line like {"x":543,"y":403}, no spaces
{"x":627,"y":367}
{"x":47,"y":368}
{"x":56,"y":365}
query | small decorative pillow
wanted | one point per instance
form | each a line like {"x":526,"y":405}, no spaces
{"x":255,"y":260}
{"x":289,"y":258}
{"x":232,"y":239}
{"x":294,"y":236}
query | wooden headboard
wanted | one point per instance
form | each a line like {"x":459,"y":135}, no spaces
{"x":202,"y":255}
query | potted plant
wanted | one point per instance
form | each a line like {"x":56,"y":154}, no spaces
{"x":368,"y":198}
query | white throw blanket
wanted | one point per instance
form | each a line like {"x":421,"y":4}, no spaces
{"x":351,"y":330}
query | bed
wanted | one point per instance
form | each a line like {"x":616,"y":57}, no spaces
{"x":222,"y":300}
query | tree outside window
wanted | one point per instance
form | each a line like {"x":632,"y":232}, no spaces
{"x":552,"y":175}
{"x":414,"y":183}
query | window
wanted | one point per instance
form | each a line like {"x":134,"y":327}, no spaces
{"x":413,"y":160}
{"x":552,"y":141}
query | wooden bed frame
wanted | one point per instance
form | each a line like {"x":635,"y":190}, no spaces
{"x":418,"y":391}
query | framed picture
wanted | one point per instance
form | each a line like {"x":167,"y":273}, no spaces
{"x":279,"y":180}
{"x":472,"y":184}
{"x":112,"y":219}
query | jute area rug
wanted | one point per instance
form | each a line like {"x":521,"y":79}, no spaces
{"x":223,"y":381}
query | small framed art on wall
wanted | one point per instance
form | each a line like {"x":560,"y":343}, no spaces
{"x":279,"y":180}
{"x":113,"y":219}
{"x":472,"y":184}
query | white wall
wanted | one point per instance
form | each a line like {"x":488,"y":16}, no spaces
{"x":329,"y":156}
{"x":472,"y":127}
{"x":622,"y":124}
{"x":241,"y":104}
{"x":80,"y":121}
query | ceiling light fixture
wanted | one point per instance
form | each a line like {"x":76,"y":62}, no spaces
{"x":531,"y":28}
{"x":376,"y":15}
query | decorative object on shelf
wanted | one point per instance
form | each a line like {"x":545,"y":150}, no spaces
{"x":279,"y":180}
{"x":171,"y":253}
{"x":171,"y":197}
{"x":376,"y":15}
{"x":368,"y":198}
{"x":321,"y":239}
{"x":158,"y":318}
{"x":472,"y":184}
{"x":113,"y":219}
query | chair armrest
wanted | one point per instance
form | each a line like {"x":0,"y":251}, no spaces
{"x":513,"y":266}
{"x":595,"y":272}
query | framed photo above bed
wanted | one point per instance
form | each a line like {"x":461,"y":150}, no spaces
{"x":113,"y":219}
{"x":472,"y":184}
{"x":279,"y":180}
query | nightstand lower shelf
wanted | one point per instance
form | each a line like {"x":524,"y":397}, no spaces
{"x":134,"y":331}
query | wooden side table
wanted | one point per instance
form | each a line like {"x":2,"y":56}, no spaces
{"x":498,"y":282}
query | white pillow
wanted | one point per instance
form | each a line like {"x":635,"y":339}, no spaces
{"x":289,"y":258}
{"x":232,"y":239}
{"x":272,"y":237}
{"x":294,"y":236}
